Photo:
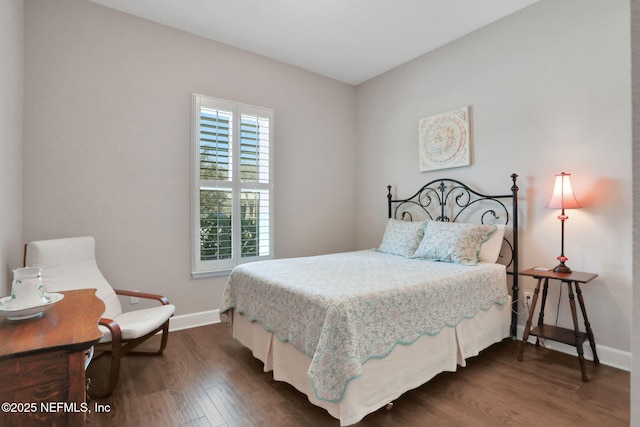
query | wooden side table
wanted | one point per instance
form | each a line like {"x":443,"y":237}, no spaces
{"x":567,"y":336}
{"x":42,"y":362}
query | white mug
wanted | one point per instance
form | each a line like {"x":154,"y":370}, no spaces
{"x":27,"y":289}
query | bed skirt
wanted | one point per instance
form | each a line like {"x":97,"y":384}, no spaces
{"x":382,"y":380}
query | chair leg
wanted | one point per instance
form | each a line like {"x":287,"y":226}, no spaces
{"x":114,"y":373}
{"x":165,"y":337}
{"x":163,"y":343}
{"x":118,"y":351}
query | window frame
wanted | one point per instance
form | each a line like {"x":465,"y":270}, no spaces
{"x":206,"y":268}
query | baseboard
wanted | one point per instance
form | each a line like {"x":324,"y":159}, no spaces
{"x":608,"y":356}
{"x":193,"y":320}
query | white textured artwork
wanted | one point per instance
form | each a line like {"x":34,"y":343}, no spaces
{"x":444,"y":140}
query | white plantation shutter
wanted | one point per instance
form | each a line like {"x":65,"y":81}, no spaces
{"x":233,"y":203}
{"x":255,"y":139}
{"x":215,"y":138}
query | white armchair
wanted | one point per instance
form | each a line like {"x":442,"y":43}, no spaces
{"x":69,"y":264}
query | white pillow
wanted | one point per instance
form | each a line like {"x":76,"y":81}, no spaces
{"x":490,"y":249}
{"x":453,"y":242}
{"x":401,"y":237}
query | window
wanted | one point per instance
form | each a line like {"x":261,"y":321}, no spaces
{"x":232,"y":184}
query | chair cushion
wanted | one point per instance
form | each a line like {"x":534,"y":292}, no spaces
{"x":135,"y":324}
{"x":69,"y":264}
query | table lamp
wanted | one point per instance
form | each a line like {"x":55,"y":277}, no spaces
{"x":563,"y":198}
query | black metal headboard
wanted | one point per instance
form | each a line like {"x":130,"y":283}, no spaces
{"x":450,"y":200}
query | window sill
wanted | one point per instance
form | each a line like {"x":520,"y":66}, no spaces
{"x":204,"y":274}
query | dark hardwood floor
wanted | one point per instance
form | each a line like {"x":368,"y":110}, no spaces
{"x":205,"y":378}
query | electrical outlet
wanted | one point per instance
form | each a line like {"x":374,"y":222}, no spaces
{"x":134,"y":300}
{"x":528,"y":297}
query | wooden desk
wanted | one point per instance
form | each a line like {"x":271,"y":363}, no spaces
{"x":42,"y":362}
{"x":567,"y":336}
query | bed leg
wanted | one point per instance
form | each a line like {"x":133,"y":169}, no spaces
{"x":389,"y":406}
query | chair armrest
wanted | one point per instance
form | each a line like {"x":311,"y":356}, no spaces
{"x":162,"y":299}
{"x":116,"y":332}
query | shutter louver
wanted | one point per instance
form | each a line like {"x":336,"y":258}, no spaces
{"x":215,"y":225}
{"x":215,"y":144}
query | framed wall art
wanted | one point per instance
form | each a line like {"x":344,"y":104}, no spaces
{"x":444,"y":140}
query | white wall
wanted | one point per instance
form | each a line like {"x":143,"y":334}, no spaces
{"x":11,"y":79}
{"x":635,"y":346}
{"x":107,"y":145}
{"x":549,"y":89}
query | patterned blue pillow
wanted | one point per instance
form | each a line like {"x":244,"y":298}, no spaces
{"x":453,"y":242}
{"x":401,"y":237}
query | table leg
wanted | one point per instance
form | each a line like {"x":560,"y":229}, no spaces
{"x":578,"y":344}
{"x":587,"y":325}
{"x":527,"y":327}
{"x":545,"y":290}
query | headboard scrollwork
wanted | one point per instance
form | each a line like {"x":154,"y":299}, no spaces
{"x":450,"y":200}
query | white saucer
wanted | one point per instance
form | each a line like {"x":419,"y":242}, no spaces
{"x":27,"y":312}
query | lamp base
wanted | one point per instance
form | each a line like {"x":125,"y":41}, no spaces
{"x":561,"y":268}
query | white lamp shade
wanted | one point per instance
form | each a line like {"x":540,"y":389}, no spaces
{"x":563,"y":197}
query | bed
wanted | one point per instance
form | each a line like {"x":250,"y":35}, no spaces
{"x":354,"y":331}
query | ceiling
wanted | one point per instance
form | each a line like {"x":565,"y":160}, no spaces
{"x":347,"y":40}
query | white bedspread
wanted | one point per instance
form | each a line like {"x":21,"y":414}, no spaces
{"x":344,"y":309}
